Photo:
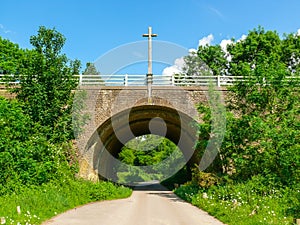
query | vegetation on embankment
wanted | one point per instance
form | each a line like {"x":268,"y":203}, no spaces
{"x":255,"y":176}
{"x":244,"y":203}
{"x":38,"y":158}
{"x":40,"y":203}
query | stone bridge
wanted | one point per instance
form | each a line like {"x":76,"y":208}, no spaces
{"x":118,"y":114}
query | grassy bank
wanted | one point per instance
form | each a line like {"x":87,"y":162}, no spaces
{"x":245,"y":203}
{"x":39,"y":203}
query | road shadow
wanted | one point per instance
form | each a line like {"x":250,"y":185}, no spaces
{"x":149,"y":186}
{"x":170,"y":196}
{"x":155,"y":188}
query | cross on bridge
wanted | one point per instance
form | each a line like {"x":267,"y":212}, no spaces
{"x":150,"y":35}
{"x":149,"y":74}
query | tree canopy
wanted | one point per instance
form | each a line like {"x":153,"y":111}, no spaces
{"x":46,"y":81}
{"x":262,"y":134}
{"x":10,"y":57}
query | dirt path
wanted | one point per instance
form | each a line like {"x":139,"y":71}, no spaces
{"x":146,"y":206}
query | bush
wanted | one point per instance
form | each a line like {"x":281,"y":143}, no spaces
{"x":26,"y":156}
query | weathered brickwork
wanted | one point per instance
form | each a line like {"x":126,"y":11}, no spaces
{"x":103,"y":103}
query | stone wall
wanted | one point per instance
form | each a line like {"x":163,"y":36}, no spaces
{"x":102,"y":103}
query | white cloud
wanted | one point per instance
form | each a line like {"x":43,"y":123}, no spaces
{"x":243,"y":37}
{"x":176,"y":68}
{"x":224,"y":44}
{"x":298,"y":32}
{"x":192,"y":51}
{"x":3,"y":29}
{"x":206,"y":40}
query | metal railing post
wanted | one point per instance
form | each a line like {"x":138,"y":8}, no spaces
{"x":173,"y":80}
{"x":80,"y":79}
{"x":126,"y":80}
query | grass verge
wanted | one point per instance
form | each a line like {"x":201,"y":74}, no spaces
{"x":245,"y":204}
{"x":39,"y":203}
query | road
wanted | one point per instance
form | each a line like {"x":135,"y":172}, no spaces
{"x":150,"y":205}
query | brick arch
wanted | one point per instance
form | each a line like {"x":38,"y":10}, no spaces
{"x":105,"y":142}
{"x":104,"y":103}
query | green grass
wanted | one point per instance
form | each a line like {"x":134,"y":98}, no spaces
{"x":40,"y":203}
{"x":243,"y":204}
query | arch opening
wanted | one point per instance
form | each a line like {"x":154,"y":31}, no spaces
{"x":110,"y":137}
{"x":147,"y":150}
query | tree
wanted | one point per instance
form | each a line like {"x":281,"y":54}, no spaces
{"x":10,"y":56}
{"x":291,"y":52}
{"x":148,"y":151}
{"x":262,"y":131}
{"x":26,"y":156}
{"x":215,"y":58}
{"x":91,"y":69}
{"x":268,"y":104}
{"x":261,"y":60}
{"x":47,"y":81}
{"x":193,"y":68}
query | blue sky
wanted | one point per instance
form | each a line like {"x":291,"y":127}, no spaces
{"x":94,"y":27}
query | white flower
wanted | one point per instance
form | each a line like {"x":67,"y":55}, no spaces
{"x":19,"y":209}
{"x":235,"y":202}
{"x":204,"y":195}
{"x":3,"y":220}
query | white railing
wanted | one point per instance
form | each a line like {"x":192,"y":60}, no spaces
{"x":207,"y":80}
{"x":4,"y":78}
{"x":123,"y":80}
{"x":157,"y":80}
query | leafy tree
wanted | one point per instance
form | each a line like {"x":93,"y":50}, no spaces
{"x":47,"y":81}
{"x":148,"y":150}
{"x":26,"y":156}
{"x":262,"y":133}
{"x":91,"y":69}
{"x":261,"y":60}
{"x":193,"y":68}
{"x":291,"y":52}
{"x":215,"y":58}
{"x":10,"y":56}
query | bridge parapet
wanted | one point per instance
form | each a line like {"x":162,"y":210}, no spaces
{"x":157,"y":80}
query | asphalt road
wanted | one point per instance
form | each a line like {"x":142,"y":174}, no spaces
{"x":148,"y":205}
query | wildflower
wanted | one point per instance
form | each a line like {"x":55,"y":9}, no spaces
{"x":235,"y":202}
{"x":204,"y":195}
{"x":3,"y":220}
{"x":253,"y":212}
{"x":18,"y":209}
